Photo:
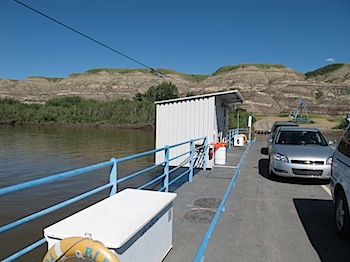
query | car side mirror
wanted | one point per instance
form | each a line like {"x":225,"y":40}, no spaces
{"x":270,"y":140}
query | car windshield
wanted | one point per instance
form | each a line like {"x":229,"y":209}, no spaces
{"x":301,"y":138}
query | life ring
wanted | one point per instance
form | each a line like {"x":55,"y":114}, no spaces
{"x":80,"y":247}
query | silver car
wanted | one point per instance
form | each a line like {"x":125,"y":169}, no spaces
{"x":272,"y":132}
{"x":340,"y":185}
{"x":300,"y":152}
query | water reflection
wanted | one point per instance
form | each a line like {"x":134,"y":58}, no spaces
{"x":30,"y":152}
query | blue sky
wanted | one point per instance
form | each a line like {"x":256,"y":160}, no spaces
{"x":189,"y":36}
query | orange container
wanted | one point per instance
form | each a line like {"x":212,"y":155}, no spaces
{"x":219,"y":144}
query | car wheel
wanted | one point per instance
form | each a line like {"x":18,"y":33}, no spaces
{"x":341,"y":213}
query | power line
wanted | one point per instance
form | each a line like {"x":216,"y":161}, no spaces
{"x":88,"y":37}
{"x":156,"y":72}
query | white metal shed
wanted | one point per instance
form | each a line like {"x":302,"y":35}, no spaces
{"x":179,"y":120}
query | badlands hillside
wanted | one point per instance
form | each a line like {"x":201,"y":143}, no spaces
{"x":267,"y":89}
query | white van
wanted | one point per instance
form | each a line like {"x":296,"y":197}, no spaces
{"x":340,"y":185}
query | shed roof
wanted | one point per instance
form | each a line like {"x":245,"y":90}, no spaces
{"x":229,"y":97}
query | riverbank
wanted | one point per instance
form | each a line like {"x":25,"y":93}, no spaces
{"x":80,"y":125}
{"x":264,"y":123}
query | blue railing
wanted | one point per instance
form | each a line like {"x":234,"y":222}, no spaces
{"x":194,"y":157}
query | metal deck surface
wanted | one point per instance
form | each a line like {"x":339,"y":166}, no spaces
{"x":265,"y":219}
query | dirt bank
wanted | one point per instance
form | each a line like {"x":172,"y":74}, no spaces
{"x":321,"y":123}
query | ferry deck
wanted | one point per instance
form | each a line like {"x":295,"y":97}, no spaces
{"x":264,"y":219}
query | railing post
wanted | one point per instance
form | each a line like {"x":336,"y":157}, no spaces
{"x":229,"y":138}
{"x":166,"y":169}
{"x":190,"y":175}
{"x":113,"y":175}
{"x":206,"y":153}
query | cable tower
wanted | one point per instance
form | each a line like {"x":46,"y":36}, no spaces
{"x":301,"y":114}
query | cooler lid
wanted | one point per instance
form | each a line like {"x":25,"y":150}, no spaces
{"x":114,"y":220}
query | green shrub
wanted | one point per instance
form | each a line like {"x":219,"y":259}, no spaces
{"x":323,"y":70}
{"x":76,"y":109}
{"x":239,"y":117}
{"x":67,"y":101}
{"x":163,"y":91}
{"x":318,"y":95}
{"x":9,"y":101}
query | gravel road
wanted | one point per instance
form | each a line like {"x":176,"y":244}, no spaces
{"x":320,"y":123}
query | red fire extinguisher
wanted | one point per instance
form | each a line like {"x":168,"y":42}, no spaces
{"x":211,"y":153}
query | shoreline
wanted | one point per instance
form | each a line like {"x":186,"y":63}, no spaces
{"x":81,"y":125}
{"x":264,"y":123}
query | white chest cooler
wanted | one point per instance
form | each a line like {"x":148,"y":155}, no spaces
{"x":135,"y":224}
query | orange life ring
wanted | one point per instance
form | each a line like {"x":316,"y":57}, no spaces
{"x":80,"y":247}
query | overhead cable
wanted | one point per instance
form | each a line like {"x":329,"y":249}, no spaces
{"x":156,"y":72}
{"x":88,"y":37}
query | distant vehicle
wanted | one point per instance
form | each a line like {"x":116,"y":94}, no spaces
{"x":273,"y":130}
{"x":300,"y":152}
{"x":340,"y":185}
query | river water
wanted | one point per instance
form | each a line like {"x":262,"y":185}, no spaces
{"x":31,"y":152}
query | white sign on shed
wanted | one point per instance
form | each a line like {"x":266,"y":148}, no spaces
{"x":183,"y":119}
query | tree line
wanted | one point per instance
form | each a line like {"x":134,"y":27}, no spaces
{"x":78,"y":110}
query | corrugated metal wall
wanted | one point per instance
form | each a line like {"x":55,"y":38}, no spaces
{"x":184,"y":120}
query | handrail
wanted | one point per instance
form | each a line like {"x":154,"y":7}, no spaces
{"x":199,"y":257}
{"x":197,"y":157}
{"x":53,"y":178}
